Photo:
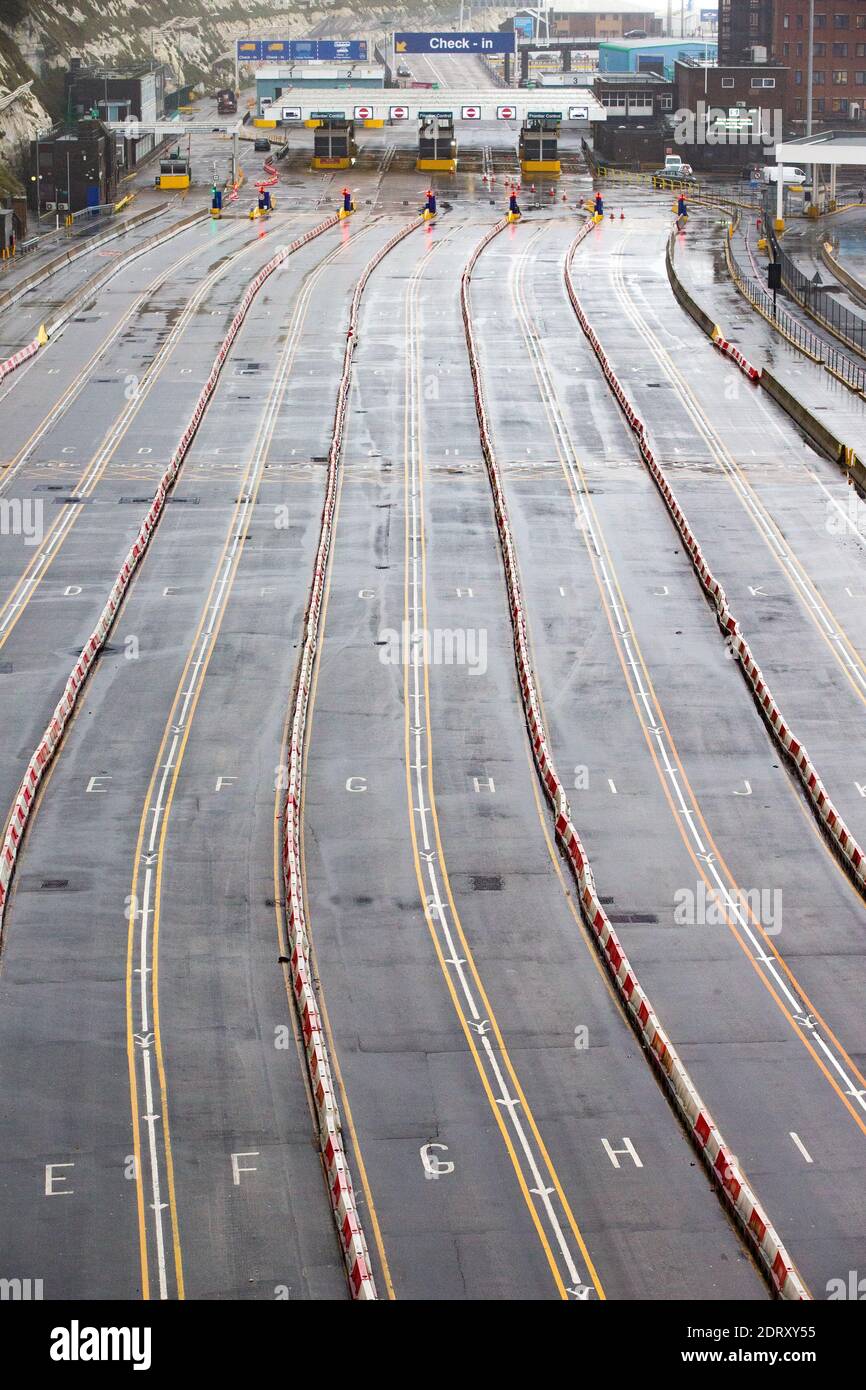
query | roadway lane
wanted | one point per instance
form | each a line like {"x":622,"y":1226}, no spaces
{"x":47,"y":619}
{"x":775,"y":518}
{"x":19,"y":324}
{"x":406,"y":1058}
{"x":653,"y":795}
{"x":116,"y":334}
{"x":233,"y":1080}
{"x":41,"y":382}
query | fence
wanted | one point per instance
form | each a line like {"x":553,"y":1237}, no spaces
{"x":852,"y":373}
{"x":821,"y":305}
{"x":727,"y":195}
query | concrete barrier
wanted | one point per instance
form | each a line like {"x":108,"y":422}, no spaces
{"x":854,"y":286}
{"x":816,"y":431}
{"x":21,"y":287}
{"x":91,"y":285}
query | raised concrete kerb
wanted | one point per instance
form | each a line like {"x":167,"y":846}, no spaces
{"x":729,"y":1181}
{"x":66,"y":258}
{"x":353,"y":1244}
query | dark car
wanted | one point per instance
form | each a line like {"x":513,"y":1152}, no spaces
{"x":262,"y":146}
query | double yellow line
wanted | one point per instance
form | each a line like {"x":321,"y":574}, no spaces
{"x":230,"y":556}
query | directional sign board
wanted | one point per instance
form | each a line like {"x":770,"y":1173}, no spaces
{"x":398,"y":113}
{"x":291,"y":113}
{"x":364,"y":113}
{"x":301,"y":50}
{"x":578,"y":113}
{"x":470,"y":113}
{"x":506,"y":113}
{"x":493,"y":42}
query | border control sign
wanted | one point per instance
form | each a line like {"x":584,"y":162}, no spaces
{"x":453,"y":42}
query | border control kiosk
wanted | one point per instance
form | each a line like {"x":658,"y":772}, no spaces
{"x":437,"y":147}
{"x":539,"y":144}
{"x":334,"y":142}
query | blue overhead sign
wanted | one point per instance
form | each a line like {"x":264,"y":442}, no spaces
{"x":301,"y":50}
{"x":454,"y":43}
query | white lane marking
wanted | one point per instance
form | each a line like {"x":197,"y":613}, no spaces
{"x":437,"y":911}
{"x":652,"y":719}
{"x":87,"y":481}
{"x":806,"y":589}
{"x":178,"y":722}
{"x":801,"y":1146}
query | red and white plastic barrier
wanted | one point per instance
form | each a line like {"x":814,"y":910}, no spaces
{"x":716,"y":1154}
{"x":847,"y":848}
{"x":53,"y":734}
{"x":18,"y":358}
{"x":753,"y":373}
{"x":351,"y":1235}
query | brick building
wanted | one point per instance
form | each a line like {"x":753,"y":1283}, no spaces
{"x":839,"y":64}
{"x":782,"y":28}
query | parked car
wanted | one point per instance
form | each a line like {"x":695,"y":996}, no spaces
{"x":262,"y":146}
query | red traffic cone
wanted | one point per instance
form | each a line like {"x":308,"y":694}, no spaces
{"x":622,"y":217}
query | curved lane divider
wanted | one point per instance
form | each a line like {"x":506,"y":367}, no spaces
{"x":831,"y":823}
{"x":733,"y":1187}
{"x":361,"y":1282}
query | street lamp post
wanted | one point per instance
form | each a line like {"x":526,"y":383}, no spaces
{"x":810,"y":66}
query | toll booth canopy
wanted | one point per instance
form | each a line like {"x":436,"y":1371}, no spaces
{"x":334,"y":143}
{"x":437,"y":148}
{"x":539,"y":144}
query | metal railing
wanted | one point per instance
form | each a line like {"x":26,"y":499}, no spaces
{"x":818,"y":303}
{"x":842,"y":366}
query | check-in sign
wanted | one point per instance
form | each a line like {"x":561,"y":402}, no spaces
{"x":291,"y":113}
{"x":506,"y":113}
{"x":470,"y":113}
{"x":363,"y":113}
{"x":578,"y":113}
{"x":398,"y":113}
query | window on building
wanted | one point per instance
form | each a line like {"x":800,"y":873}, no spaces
{"x":798,"y":77}
{"x":820,"y":50}
{"x":817,"y":79}
{"x":799,"y":50}
{"x":820,"y":21}
{"x":798,"y":105}
{"x":861,"y":50}
{"x":840,"y":77}
{"x":841,"y":21}
{"x":728,"y":82}
{"x":763,"y":82}
{"x":860,"y":79}
{"x":840,"y":50}
{"x":840,"y":104}
{"x":666,"y":103}
{"x":819,"y":105}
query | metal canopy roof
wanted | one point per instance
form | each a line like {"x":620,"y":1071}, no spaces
{"x":830,"y":147}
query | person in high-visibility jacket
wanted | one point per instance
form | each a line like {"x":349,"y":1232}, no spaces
{"x":599,"y":205}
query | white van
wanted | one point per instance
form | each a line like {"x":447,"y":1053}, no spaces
{"x":790,"y":174}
